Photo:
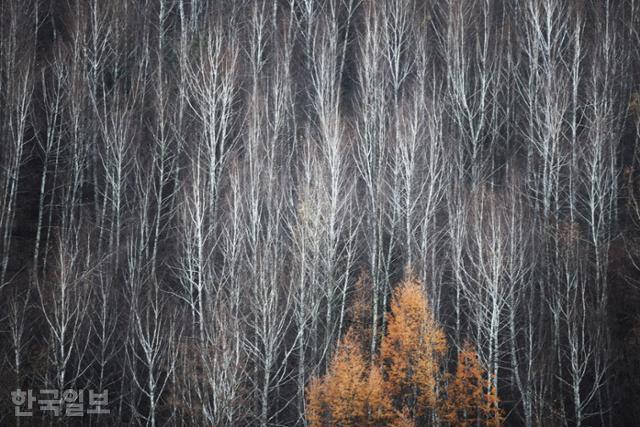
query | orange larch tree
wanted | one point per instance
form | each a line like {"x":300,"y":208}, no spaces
{"x":351,"y":392}
{"x":471,"y":397}
{"x":403,"y":385}
{"x":412,"y":350}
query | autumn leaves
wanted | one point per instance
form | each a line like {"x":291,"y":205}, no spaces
{"x":407,"y":382}
{"x":412,"y":350}
{"x":351,"y":393}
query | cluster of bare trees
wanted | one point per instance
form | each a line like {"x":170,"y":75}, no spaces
{"x":190,"y":190}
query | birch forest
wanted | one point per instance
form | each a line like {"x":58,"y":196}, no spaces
{"x":321,"y":212}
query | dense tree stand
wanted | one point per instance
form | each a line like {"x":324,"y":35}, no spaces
{"x":320,"y":212}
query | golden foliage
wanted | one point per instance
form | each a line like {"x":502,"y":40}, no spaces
{"x":412,"y":350}
{"x":471,"y":397}
{"x":403,"y":419}
{"x":316,"y":406}
{"x":405,"y":387}
{"x":350,"y":394}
